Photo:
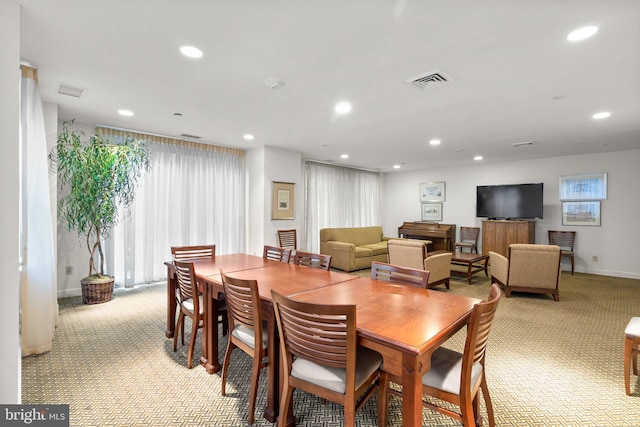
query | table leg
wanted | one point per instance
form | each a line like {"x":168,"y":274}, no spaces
{"x":469,"y":273}
{"x":171,"y":302}
{"x":209,"y":357}
{"x":486,"y":261}
{"x":411,"y":392}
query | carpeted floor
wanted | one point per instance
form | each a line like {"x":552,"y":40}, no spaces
{"x":548,"y":364}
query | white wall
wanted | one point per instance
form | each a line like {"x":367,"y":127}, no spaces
{"x":10,"y":358}
{"x":612,"y":242}
{"x":265,"y":165}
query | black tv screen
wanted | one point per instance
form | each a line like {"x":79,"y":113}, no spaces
{"x":513,"y":201}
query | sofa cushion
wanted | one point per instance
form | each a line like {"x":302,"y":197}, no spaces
{"x":379,"y":248}
{"x":362,"y":252}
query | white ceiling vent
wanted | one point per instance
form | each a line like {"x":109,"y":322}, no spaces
{"x":523,"y":144}
{"x":431,"y":79}
{"x":186,"y":135}
{"x":75,"y":91}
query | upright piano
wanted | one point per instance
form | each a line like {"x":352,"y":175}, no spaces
{"x":442,"y":235}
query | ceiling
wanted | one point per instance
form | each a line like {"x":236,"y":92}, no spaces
{"x":514,"y":77}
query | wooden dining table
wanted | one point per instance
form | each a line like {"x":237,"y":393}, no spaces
{"x":402,"y":323}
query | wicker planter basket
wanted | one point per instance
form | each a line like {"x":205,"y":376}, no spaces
{"x":97,"y":289}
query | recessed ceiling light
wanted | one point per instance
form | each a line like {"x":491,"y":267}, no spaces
{"x":396,"y":166}
{"x":344,"y":156}
{"x":248,"y":136}
{"x":126,"y":113}
{"x":191,"y":52}
{"x":435,"y":142}
{"x":343,"y":107}
{"x":601,"y":115}
{"x":582,"y":33}
{"x":477,"y":158}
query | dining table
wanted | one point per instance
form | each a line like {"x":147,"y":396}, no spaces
{"x":404,"y":324}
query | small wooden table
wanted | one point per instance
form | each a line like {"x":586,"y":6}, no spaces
{"x":471,"y":260}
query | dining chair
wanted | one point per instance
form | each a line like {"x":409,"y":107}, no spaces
{"x":566,"y":241}
{"x":455,"y":377}
{"x":397,"y":274}
{"x":631,"y":343}
{"x":247,"y":332}
{"x":312,"y":260}
{"x":321,"y":356}
{"x":186,"y":253}
{"x":190,"y":304}
{"x":468,"y":239}
{"x":276,"y":253}
{"x":288,"y":239}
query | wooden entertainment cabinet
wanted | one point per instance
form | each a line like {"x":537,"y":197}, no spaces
{"x":497,"y":235}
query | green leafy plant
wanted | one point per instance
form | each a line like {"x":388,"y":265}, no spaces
{"x":100,"y":177}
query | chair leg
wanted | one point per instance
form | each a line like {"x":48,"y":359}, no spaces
{"x":253,"y":391}
{"x":192,"y":342}
{"x":487,"y":401}
{"x":225,"y":366}
{"x":383,"y":399}
{"x":628,"y":353}
{"x":177,"y":331}
{"x":285,"y":403}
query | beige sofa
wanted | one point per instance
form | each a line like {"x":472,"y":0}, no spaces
{"x":354,"y":248}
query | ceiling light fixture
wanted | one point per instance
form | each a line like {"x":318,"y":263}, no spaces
{"x":396,"y":166}
{"x":435,"y":142}
{"x":126,"y":113}
{"x":191,"y":52}
{"x":582,"y":33}
{"x":478,"y":158}
{"x":248,"y":136}
{"x":343,"y":107}
{"x":601,"y":115}
{"x":344,"y":156}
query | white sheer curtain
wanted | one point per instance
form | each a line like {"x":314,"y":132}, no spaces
{"x":194,"y":194}
{"x":39,"y":302}
{"x":339,"y":197}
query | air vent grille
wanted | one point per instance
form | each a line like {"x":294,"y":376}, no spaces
{"x":186,"y":135}
{"x":431,"y":80}
{"x":70,"y":90}
{"x":523,"y":144}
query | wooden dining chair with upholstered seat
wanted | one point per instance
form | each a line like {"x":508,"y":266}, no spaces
{"x":288,"y":239}
{"x":276,"y":253}
{"x":192,"y":253}
{"x":456,"y":377}
{"x":566,"y":240}
{"x":312,"y":260}
{"x":397,"y":274}
{"x":247,"y":332}
{"x":631,"y":343}
{"x":468,"y":239}
{"x":190,"y":305}
{"x":321,"y":356}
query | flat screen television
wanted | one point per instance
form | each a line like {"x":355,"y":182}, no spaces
{"x":512,"y":201}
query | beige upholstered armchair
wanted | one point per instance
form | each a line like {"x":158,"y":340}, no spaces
{"x":413,"y":254}
{"x":529,"y":268}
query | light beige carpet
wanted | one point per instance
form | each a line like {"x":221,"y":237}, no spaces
{"x":548,"y":364}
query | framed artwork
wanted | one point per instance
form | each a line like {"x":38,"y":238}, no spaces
{"x":432,"y":192}
{"x":432,"y":211}
{"x":581,"y":213}
{"x":282,"y":200}
{"x":584,"y":187}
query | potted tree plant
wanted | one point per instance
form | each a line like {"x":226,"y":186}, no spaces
{"x":100,"y":177}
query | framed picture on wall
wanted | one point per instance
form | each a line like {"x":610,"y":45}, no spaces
{"x":282,"y":200}
{"x":581,"y":213}
{"x":432,"y":192}
{"x":432,"y":212}
{"x":591,"y":186}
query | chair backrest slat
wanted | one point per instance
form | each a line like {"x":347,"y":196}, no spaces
{"x":312,"y":260}
{"x":276,"y":253}
{"x":288,"y":239}
{"x":187,"y":285}
{"x":397,"y":274}
{"x":193,"y":252}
